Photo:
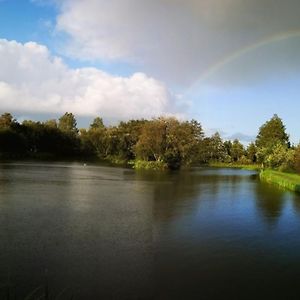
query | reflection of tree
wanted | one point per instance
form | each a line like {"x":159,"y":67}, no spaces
{"x":269,"y":202}
{"x":296,"y":203}
{"x":179,"y":193}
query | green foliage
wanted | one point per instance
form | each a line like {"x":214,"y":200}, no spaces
{"x":12,"y":144}
{"x":169,"y":141}
{"x":273,"y":146}
{"x":278,"y":157}
{"x":237,"y":150}
{"x":151,"y":144}
{"x":250,"y":167}
{"x":7,"y":121}
{"x":150,"y":165}
{"x":35,"y":139}
{"x":212,"y":149}
{"x":97,"y":124}
{"x":244,"y":160}
{"x":297,"y":159}
{"x":228,"y":147}
{"x":251,"y":153}
{"x":271,"y":133}
{"x":67,"y":123}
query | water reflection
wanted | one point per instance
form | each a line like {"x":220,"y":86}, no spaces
{"x":296,"y":202}
{"x":270,"y":202}
{"x":116,"y":233}
{"x":179,"y":194}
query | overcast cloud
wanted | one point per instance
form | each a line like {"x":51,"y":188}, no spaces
{"x":179,"y":40}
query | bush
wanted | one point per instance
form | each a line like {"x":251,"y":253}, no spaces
{"x":244,"y":160}
{"x":297,"y":159}
{"x":150,"y":165}
{"x":280,"y":158}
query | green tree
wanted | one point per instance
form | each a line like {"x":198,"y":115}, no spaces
{"x":237,"y":150}
{"x":281,"y":158}
{"x":6,"y":120}
{"x":228,"y":147}
{"x":169,"y":141}
{"x":251,"y":153}
{"x":297,"y":159}
{"x":217,"y":149}
{"x":97,"y":124}
{"x":152,"y":141}
{"x":67,"y":123}
{"x":271,"y":133}
{"x":51,"y":123}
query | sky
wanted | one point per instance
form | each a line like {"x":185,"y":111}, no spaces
{"x":230,"y":64}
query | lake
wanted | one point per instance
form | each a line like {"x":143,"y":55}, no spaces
{"x":99,"y":232}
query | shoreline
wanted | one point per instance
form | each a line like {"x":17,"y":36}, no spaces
{"x":235,"y":166}
{"x":287,"y":181}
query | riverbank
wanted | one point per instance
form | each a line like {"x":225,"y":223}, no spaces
{"x":236,"y":166}
{"x":285,"y":180}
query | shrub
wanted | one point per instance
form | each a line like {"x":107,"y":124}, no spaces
{"x":297,"y":159}
{"x":150,"y":165}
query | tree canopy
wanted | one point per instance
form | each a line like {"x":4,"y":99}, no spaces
{"x":271,"y":133}
{"x":160,"y":142}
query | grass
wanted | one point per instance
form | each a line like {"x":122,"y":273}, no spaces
{"x":285,"y":180}
{"x":149,"y":165}
{"x":253,"y":167}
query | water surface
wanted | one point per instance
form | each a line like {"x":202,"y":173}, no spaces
{"x":114,"y":233}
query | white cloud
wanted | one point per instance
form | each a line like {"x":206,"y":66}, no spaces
{"x":34,"y":81}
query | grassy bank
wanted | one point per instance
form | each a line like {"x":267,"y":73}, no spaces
{"x":285,"y":180}
{"x":234,"y":165}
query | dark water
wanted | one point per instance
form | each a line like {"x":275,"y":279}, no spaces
{"x":112,"y":233}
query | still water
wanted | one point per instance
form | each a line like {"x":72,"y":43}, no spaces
{"x":98,"y":232}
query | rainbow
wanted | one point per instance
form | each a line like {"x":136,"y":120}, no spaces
{"x":242,"y":51}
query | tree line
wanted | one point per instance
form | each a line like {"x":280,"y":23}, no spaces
{"x":156,"y":144}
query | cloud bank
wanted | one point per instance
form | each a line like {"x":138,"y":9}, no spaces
{"x":32,"y":80}
{"x":179,"y":40}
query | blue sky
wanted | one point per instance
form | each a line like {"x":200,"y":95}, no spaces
{"x":230,"y":65}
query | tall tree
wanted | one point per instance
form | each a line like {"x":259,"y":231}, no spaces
{"x":152,"y":141}
{"x":237,"y":150}
{"x":217,"y":148}
{"x":252,"y":152}
{"x":6,"y":120}
{"x":97,"y":123}
{"x":297,"y":159}
{"x":272,"y":133}
{"x":67,"y":123}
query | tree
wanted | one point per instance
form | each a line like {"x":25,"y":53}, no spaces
{"x":281,"y":158}
{"x":182,"y":142}
{"x":237,"y":150}
{"x":228,"y":147}
{"x":217,"y":149}
{"x":11,"y":143}
{"x":6,"y":120}
{"x":97,"y":124}
{"x":67,"y":123}
{"x":152,"y":141}
{"x":169,"y":141}
{"x":271,"y":133}
{"x":297,"y":159}
{"x":51,"y":123}
{"x":252,"y":153}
